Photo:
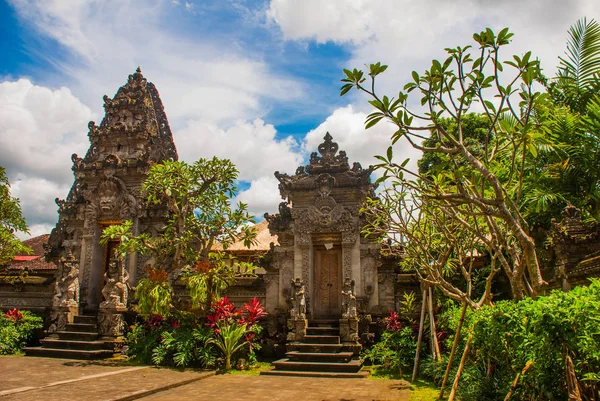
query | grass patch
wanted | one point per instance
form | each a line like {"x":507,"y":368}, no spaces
{"x":422,"y":390}
{"x":254,"y":370}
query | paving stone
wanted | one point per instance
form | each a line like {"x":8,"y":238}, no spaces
{"x":254,"y":388}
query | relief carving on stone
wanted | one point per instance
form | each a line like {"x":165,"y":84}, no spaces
{"x":349,"y":303}
{"x":286,"y":272}
{"x":111,"y":324}
{"x":298,"y":310}
{"x":347,"y":260}
{"x":369,"y":275}
{"x":66,"y":288}
{"x":115,"y":291}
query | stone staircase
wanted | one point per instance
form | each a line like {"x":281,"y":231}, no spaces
{"x":80,"y":340}
{"x":320,"y":354}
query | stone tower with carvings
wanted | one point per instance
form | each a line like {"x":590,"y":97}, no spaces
{"x":133,"y":135}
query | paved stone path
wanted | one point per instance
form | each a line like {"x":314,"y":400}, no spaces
{"x":33,"y":379}
{"x":272,"y":388}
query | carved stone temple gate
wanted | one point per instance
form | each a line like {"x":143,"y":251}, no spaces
{"x":133,"y":135}
{"x":318,"y":229}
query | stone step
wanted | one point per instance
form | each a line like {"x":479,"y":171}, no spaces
{"x":71,"y":344}
{"x":67,"y":353}
{"x":77,"y":335}
{"x":82,"y":327}
{"x":321,"y":339}
{"x":319,"y":356}
{"x":352,"y":366}
{"x":328,"y":331}
{"x":306,"y":347}
{"x":337,"y":375}
{"x":324,"y":323}
{"x":86,"y":319}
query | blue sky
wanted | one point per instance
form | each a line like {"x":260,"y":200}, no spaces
{"x":253,"y":81}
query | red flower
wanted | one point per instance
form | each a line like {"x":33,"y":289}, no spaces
{"x":175,"y":324}
{"x":14,"y":315}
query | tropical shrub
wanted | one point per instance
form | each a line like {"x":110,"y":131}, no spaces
{"x":396,"y":348}
{"x":181,"y":341}
{"x":540,"y":333}
{"x":17,"y":328}
{"x":235,"y":329}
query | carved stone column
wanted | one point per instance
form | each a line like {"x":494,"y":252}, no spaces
{"x":349,"y":330}
{"x":297,"y":329}
{"x":61,"y":316}
{"x":347,"y":260}
{"x":306,"y":277}
{"x":111,"y":322}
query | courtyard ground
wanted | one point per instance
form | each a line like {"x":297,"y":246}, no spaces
{"x":33,"y":379}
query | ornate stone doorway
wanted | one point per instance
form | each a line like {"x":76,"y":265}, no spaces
{"x":328,"y":281}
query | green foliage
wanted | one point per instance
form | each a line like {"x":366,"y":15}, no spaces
{"x":229,"y":339}
{"x":11,"y":220}
{"x":198,"y":198}
{"x":578,"y":75}
{"x":471,"y":177}
{"x":395,"y":349}
{"x":208,"y":280}
{"x":181,"y":343}
{"x":508,"y":335}
{"x":153,"y":297}
{"x":17,"y":328}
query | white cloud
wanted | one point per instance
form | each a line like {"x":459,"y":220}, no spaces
{"x":407,"y":34}
{"x":205,"y":78}
{"x":214,"y":93}
{"x":262,"y":196}
{"x":37,"y":197}
{"x":346,"y":126}
{"x":251,"y":146}
{"x":340,"y":21}
{"x":39,"y":130}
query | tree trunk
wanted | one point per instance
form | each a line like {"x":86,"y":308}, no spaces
{"x":516,"y":381}
{"x":435,"y":345}
{"x":227,"y":362}
{"x":453,"y":351}
{"x":421,"y":322}
{"x":571,"y":378}
{"x":460,"y":368}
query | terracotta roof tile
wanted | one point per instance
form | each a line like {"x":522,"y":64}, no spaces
{"x":37,"y":244}
{"x":262,"y":243}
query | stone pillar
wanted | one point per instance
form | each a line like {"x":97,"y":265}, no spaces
{"x":297,"y":329}
{"x":349,"y":330}
{"x":61,"y":316}
{"x":111,"y":322}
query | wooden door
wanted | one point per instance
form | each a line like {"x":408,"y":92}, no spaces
{"x":328,"y":282}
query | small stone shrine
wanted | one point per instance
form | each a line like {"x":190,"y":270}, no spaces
{"x":320,"y":244}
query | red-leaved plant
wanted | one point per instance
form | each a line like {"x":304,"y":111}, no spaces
{"x":393,"y":322}
{"x":235,"y":328}
{"x":14,"y":314}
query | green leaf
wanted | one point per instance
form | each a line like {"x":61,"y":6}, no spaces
{"x":372,"y":122}
{"x":345,"y":89}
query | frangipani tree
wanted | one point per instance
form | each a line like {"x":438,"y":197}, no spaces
{"x":481,"y":187}
{"x":198,"y":198}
